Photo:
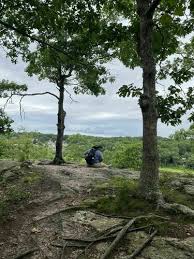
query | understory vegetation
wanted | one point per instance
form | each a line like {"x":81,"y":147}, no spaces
{"x":16,"y":188}
{"x":176,"y":152}
{"x":119,"y":196}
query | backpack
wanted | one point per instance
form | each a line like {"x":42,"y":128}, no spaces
{"x":90,"y":156}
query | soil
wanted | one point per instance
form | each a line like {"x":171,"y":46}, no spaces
{"x":36,"y":227}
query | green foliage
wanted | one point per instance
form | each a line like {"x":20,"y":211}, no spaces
{"x":31,"y":178}
{"x":13,"y":196}
{"x":5,"y":123}
{"x":7,"y":88}
{"x":127,"y":155}
{"x":21,"y":147}
{"x":17,"y":190}
{"x":176,"y":152}
{"x":125,"y":201}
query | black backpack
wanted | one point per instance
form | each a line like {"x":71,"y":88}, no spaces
{"x":90,"y":156}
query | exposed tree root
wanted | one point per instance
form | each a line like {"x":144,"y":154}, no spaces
{"x":176,"y":208}
{"x":8,"y":169}
{"x":140,"y":249}
{"x":116,"y":233}
{"x":58,"y":161}
{"x":124,"y":217}
{"x":110,"y":215}
{"x":78,"y":245}
{"x":63,"y":250}
{"x":118,"y":238}
{"x":38,"y":218}
{"x":39,"y":248}
{"x":123,"y":232}
{"x":110,"y":235}
{"x":29,"y":252}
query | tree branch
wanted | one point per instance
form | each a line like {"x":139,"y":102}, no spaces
{"x":35,"y":94}
{"x":44,"y":43}
{"x":142,"y":246}
{"x":153,"y":7}
{"x":70,"y":73}
{"x":70,"y":96}
{"x":24,"y":95}
{"x":118,"y":238}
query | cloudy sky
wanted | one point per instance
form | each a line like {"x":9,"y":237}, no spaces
{"x":106,"y":115}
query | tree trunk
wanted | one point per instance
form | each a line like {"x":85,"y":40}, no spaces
{"x":60,"y":129}
{"x":149,"y":177}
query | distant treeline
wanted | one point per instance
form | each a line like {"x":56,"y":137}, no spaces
{"x":120,"y":152}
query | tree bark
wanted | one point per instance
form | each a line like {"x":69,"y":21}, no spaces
{"x":60,"y":128}
{"x":149,"y":176}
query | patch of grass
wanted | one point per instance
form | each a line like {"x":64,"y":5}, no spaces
{"x":177,"y":170}
{"x":12,"y":197}
{"x":125,"y":201}
{"x":176,"y":196}
{"x":17,"y":192}
{"x":31,"y":178}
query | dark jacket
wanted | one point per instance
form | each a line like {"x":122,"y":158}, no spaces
{"x":98,"y":157}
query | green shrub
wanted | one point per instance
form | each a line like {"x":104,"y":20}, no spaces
{"x":21,"y":147}
{"x":128,"y":156}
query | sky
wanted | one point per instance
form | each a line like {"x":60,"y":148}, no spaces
{"x":107,"y":115}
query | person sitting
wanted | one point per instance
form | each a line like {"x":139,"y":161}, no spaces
{"x":94,"y":156}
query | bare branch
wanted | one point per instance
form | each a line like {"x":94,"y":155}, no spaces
{"x":21,"y":106}
{"x":7,"y":101}
{"x":70,"y":96}
{"x":24,"y":95}
{"x":153,"y":7}
{"x":70,"y":73}
{"x":35,"y":94}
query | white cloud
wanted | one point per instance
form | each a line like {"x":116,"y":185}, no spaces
{"x":107,"y":115}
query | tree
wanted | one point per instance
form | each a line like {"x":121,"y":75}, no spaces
{"x":67,"y":50}
{"x":155,"y":29}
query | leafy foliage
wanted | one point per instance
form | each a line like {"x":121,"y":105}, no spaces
{"x":24,"y":146}
{"x":119,"y":152}
{"x":5,"y":123}
{"x":9,"y":88}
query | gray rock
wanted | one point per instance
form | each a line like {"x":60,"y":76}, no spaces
{"x":176,"y":183}
{"x":9,"y":175}
{"x":189,"y":189}
{"x":45,"y":162}
{"x":161,"y":247}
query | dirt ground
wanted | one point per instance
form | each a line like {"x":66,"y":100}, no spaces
{"x":36,"y":227}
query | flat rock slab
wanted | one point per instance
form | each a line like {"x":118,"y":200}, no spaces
{"x":189,"y":189}
{"x":49,"y":217}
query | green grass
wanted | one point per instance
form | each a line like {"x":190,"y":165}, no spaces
{"x":16,"y":191}
{"x":176,"y":170}
{"x":124,"y":200}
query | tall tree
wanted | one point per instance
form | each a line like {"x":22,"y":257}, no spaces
{"x":155,"y":31}
{"x":63,"y":72}
{"x":149,"y":178}
{"x":67,"y":49}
